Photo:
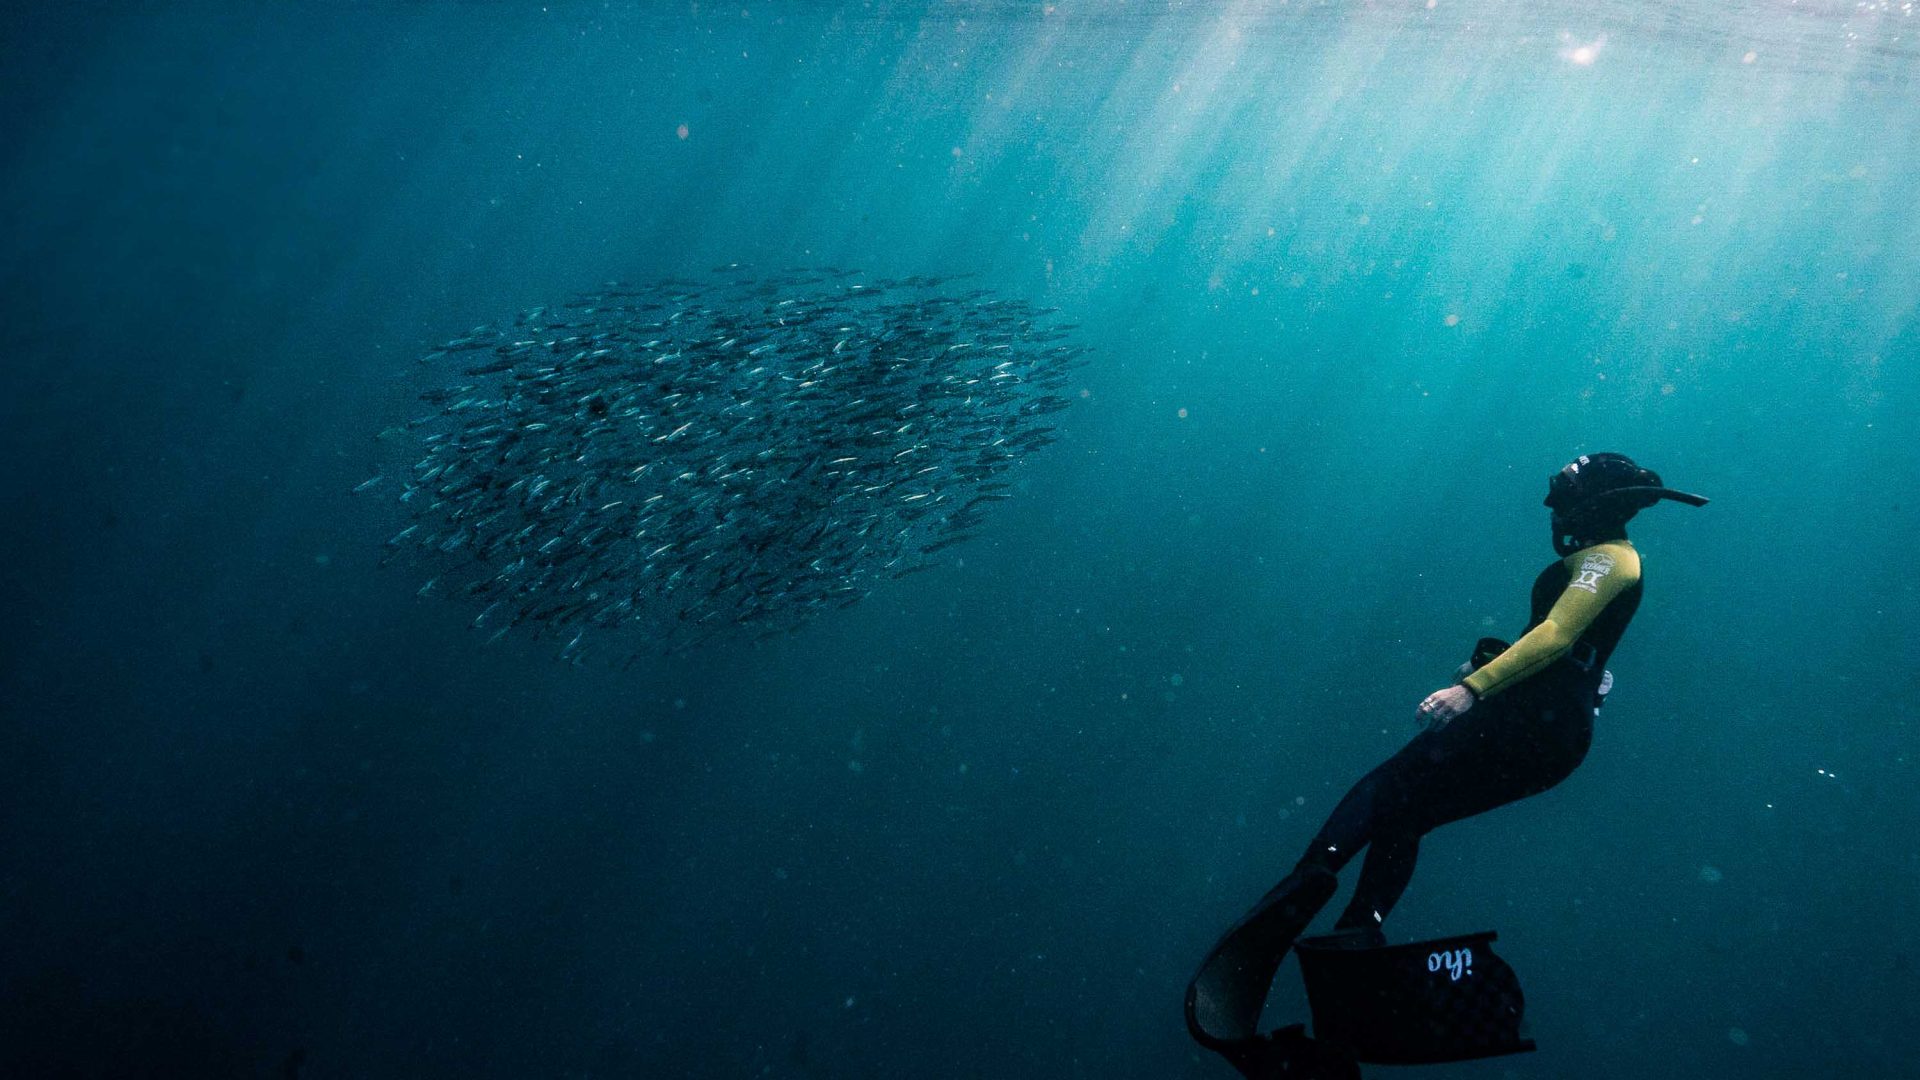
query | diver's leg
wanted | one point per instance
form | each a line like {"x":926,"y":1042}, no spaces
{"x":1383,"y":877}
{"x":1466,"y":768}
{"x":1481,"y":762}
{"x":1477,"y":763}
{"x":1378,"y":805}
{"x":1225,"y":997}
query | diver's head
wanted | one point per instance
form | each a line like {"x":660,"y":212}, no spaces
{"x":1594,"y":497}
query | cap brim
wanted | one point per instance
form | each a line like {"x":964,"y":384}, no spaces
{"x":1661,"y":493}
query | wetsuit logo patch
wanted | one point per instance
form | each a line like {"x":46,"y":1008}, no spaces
{"x":1592,"y":569}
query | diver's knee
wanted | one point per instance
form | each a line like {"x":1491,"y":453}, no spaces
{"x":1322,"y":859}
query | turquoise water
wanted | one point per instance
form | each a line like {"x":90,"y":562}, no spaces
{"x":1357,"y":278}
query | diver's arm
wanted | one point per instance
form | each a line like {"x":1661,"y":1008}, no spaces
{"x":1586,"y":595}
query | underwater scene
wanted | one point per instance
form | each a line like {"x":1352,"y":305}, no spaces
{"x":960,"y":538}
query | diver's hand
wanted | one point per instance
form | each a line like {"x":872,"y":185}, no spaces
{"x":1442,"y":706}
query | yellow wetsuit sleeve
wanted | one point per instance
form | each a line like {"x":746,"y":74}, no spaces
{"x":1596,"y":575}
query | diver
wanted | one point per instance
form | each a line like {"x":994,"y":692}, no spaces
{"x":1518,"y":721}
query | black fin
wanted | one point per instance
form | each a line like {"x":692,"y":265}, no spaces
{"x":1288,"y":1054}
{"x":1450,"y":999}
{"x":1226,"y":994}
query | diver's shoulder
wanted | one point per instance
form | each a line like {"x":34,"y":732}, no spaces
{"x":1612,"y":556}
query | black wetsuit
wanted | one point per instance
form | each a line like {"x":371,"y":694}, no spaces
{"x":1529,"y":729}
{"x":1518,"y":741}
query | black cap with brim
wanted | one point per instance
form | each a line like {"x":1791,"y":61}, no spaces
{"x":1658,"y":493}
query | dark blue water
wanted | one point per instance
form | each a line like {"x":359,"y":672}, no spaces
{"x":1358,"y":278}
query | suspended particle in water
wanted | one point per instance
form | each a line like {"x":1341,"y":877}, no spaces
{"x":1582,"y":53}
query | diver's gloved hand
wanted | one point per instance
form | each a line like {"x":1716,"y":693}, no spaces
{"x":1443,"y":706}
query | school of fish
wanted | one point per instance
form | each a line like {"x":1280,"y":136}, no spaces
{"x":687,"y":457}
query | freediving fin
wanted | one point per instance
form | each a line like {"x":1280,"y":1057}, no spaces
{"x":1450,"y":999}
{"x":1288,"y":1054}
{"x":1226,"y":994}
